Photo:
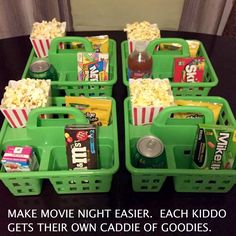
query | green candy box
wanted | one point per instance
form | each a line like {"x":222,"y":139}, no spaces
{"x":215,"y":147}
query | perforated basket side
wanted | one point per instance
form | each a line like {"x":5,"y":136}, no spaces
{"x":23,"y":186}
{"x":81,"y":183}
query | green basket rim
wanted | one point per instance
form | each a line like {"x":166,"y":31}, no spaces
{"x":112,"y":81}
{"x":46,"y":174}
{"x":173,"y":171}
{"x":124,"y":46}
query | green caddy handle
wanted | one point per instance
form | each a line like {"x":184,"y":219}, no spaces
{"x":152,"y":45}
{"x":70,"y":39}
{"x":162,"y":118}
{"x":76,"y":113}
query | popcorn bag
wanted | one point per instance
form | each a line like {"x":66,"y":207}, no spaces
{"x":43,"y":33}
{"x":144,"y":115}
{"x":148,"y":98}
{"x":143,"y":31}
{"x":17,"y":117}
{"x":21,"y":97}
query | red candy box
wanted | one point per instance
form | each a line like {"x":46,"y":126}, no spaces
{"x":188,"y":69}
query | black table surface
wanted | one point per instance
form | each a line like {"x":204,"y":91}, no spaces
{"x":221,"y":51}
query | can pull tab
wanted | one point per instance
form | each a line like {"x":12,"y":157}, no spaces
{"x":151,"y":144}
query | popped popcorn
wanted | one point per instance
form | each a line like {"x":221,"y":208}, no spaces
{"x":26,"y":93}
{"x":48,"y":29}
{"x":151,"y":92}
{"x":142,"y":31}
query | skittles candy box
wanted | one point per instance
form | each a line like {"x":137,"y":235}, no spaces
{"x":81,"y":148}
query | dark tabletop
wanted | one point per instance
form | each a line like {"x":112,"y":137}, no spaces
{"x":221,"y":51}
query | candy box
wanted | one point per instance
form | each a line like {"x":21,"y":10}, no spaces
{"x":215,"y":147}
{"x":81,"y":146}
{"x":17,"y":159}
{"x":43,"y":33}
{"x":21,"y":97}
{"x":93,"y":66}
{"x":188,"y":69}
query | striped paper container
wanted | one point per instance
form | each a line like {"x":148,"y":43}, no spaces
{"x":144,"y":115}
{"x":41,"y":46}
{"x":16,"y":117}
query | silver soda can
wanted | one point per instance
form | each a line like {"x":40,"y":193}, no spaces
{"x":150,"y":153}
{"x":42,"y":69}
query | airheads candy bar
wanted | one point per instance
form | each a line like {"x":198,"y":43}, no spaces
{"x":189,"y":70}
{"x":215,"y":147}
{"x":81,"y":148}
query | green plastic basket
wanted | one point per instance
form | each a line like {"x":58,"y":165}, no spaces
{"x":178,"y":137}
{"x":163,"y":67}
{"x":46,"y":136}
{"x":65,"y":62}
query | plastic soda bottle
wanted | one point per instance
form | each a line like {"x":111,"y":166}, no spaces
{"x":139,"y":62}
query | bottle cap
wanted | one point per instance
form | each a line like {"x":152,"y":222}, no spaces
{"x":140,"y":46}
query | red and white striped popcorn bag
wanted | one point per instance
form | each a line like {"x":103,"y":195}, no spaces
{"x":144,"y":115}
{"x":17,"y":117}
{"x":142,"y":31}
{"x":148,"y":99}
{"x":41,"y":45}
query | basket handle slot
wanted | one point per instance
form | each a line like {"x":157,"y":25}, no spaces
{"x":69,"y":39}
{"x":61,"y":116}
{"x":166,"y":114}
{"x":154,"y":43}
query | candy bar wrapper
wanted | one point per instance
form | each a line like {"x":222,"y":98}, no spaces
{"x":42,"y":46}
{"x":93,"y":66}
{"x":144,"y":115}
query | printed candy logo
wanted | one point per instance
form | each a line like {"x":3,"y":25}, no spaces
{"x":221,"y":147}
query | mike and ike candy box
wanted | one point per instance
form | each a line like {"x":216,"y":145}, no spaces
{"x":81,"y":146}
{"x":215,"y":147}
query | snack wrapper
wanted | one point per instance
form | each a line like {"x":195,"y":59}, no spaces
{"x":96,"y":110}
{"x":21,"y":97}
{"x":100,"y":43}
{"x":43,"y":33}
{"x":148,"y":98}
{"x":193,"y":47}
{"x":214,"y":107}
{"x":143,"y":31}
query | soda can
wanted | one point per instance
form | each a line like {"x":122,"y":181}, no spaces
{"x":42,"y":69}
{"x":150,"y":153}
